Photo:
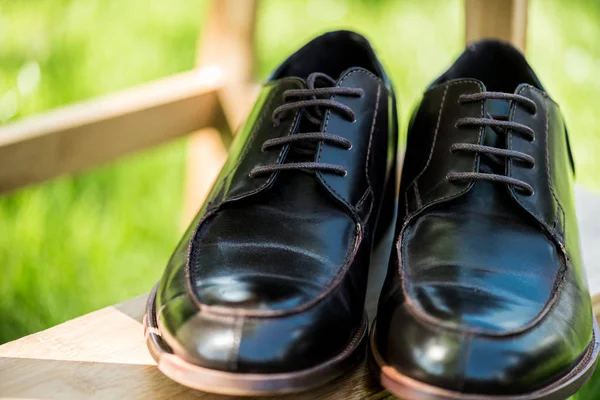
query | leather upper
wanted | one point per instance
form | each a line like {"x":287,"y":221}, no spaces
{"x":485,"y":291}
{"x":271,"y":274}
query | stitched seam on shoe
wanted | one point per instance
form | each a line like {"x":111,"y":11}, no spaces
{"x":419,"y":203}
{"x":562,"y":211}
{"x":473,"y":168}
{"x":547,"y":138}
{"x":368,"y":159}
{"x":418,"y":312}
{"x":468,"y":187}
{"x":434,"y":187}
{"x":360,"y":204}
{"x":328,"y":113}
{"x":423,"y":316}
{"x":510,"y":136}
{"x":348,"y":260}
{"x":354,"y":244}
{"x":319,"y":160}
{"x":188,"y":263}
{"x":279,"y":158}
{"x":214,"y":209}
{"x":435,"y":133}
{"x":551,"y":232}
{"x":552,"y":300}
{"x":548,"y":171}
{"x":371,"y":203}
{"x":363,"y":198}
{"x":247,"y":147}
{"x":250,"y":141}
{"x":371,"y":132}
{"x":475,"y":157}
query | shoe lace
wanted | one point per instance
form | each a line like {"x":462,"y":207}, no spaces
{"x":500,"y":125}
{"x":312,"y":99}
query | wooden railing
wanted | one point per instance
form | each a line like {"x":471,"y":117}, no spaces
{"x":209,"y":102}
{"x":75,"y":138}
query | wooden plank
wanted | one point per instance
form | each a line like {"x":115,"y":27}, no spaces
{"x":102,"y":355}
{"x":226,"y":43}
{"x":81,"y":136}
{"x":500,"y":19}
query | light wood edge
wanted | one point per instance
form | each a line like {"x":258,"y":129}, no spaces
{"x":81,"y":136}
{"x":226,"y":41}
{"x":499,"y":19}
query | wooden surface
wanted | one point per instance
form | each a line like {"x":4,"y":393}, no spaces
{"x":102,"y":355}
{"x":84,"y":135}
{"x":501,"y":19}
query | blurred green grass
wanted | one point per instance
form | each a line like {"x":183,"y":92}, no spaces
{"x":80,"y":243}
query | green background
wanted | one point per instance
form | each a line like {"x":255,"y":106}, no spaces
{"x":79,"y":243}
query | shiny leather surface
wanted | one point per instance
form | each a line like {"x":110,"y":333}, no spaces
{"x":485,"y":292}
{"x":436,"y":119}
{"x":271,"y":275}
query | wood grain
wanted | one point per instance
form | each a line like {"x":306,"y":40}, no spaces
{"x":226,"y":42}
{"x":500,"y":19}
{"x":81,"y":136}
{"x":103,"y":355}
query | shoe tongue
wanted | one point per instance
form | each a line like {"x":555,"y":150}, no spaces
{"x":497,"y":109}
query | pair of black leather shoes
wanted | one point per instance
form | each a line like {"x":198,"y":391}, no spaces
{"x":485,"y":295}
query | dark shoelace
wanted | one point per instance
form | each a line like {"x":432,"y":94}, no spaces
{"x":312,"y":101}
{"x":500,"y":125}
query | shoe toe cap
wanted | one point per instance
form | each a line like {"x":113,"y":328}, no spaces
{"x":255,"y":325}
{"x":467,"y":361}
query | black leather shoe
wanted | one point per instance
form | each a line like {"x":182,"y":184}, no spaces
{"x":265,"y":292}
{"x":486,"y":296}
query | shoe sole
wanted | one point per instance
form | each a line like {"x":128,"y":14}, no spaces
{"x":408,"y":388}
{"x":247,"y":384}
